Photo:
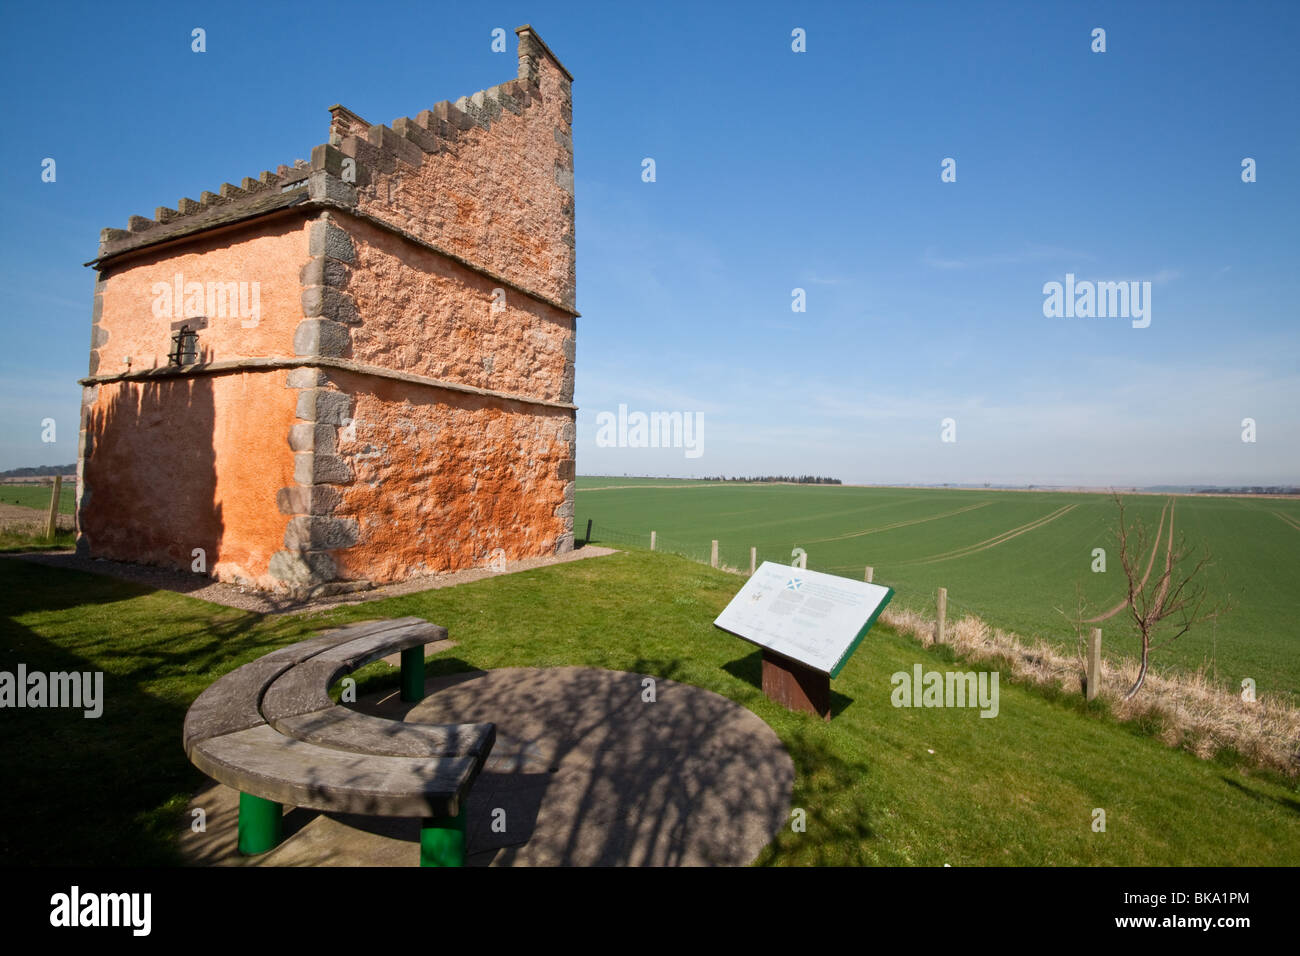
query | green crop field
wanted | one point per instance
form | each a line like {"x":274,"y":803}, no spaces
{"x":1011,"y":557}
{"x":38,"y":496}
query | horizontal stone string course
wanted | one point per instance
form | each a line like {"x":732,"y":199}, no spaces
{"x":318,"y":362}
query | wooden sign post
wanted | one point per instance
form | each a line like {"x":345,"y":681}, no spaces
{"x":52,"y":521}
{"x":808,"y":625}
{"x":796,"y":686}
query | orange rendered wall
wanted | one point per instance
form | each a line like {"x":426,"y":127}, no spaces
{"x":443,"y":479}
{"x":493,"y":196}
{"x":271,"y":256}
{"x":184,"y":463}
{"x":426,"y":314}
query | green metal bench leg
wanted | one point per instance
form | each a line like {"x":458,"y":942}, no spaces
{"x":413,"y":674}
{"x":259,"y":824}
{"x":442,"y":840}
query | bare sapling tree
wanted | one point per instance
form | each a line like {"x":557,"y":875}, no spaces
{"x":1080,"y":637}
{"x":1177,"y":600}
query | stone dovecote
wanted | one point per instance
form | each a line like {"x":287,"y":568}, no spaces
{"x":385,"y":340}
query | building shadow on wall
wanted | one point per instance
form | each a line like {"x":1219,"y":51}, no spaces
{"x":151,"y":476}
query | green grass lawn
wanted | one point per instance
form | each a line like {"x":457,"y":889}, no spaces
{"x":38,"y":496}
{"x":921,"y":539}
{"x":880,"y":785}
{"x":25,"y":540}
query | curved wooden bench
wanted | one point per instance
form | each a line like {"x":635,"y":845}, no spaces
{"x":270,"y":730}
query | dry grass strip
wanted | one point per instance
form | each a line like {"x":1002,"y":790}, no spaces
{"x":1192,"y":711}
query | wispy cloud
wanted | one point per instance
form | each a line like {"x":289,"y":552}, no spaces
{"x":1029,"y":254}
{"x":814,"y":279}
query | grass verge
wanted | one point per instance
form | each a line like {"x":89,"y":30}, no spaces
{"x":879,"y":784}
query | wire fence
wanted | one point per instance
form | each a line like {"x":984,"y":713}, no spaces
{"x":737,"y":558}
{"x":731,"y":556}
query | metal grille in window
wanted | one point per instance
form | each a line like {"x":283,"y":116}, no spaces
{"x":185,"y":347}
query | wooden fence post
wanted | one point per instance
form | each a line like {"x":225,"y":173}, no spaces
{"x":713,"y":556}
{"x":753,"y":560}
{"x":51,"y":525}
{"x":943,"y":613}
{"x":1094,"y":663}
{"x":871,"y":573}
{"x":652,"y":540}
{"x":587,"y":540}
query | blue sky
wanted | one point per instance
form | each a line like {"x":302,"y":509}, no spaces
{"x":775,"y":170}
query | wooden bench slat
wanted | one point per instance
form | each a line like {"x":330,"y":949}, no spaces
{"x":351,"y":730}
{"x":304,"y":689}
{"x":371,"y":647}
{"x":232,"y":702}
{"x":267,"y":764}
{"x":271,"y":730}
{"x":341,"y":635}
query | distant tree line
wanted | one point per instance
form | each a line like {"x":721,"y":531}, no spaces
{"x":40,"y":471}
{"x":1252,"y":490}
{"x":789,"y":479}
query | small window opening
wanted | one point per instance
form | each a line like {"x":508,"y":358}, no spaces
{"x":185,"y":347}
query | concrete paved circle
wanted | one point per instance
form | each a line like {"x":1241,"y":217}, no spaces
{"x":585,"y":772}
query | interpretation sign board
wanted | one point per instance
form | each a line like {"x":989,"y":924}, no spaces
{"x":813,"y":620}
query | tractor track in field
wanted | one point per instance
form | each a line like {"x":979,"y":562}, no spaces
{"x":901,"y":524}
{"x":1288,"y":520}
{"x":1155,"y":548}
{"x":996,"y":540}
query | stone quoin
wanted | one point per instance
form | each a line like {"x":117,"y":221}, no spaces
{"x":402,"y":403}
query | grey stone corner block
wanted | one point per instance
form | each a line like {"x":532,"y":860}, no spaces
{"x":323,"y":270}
{"x":313,"y":468}
{"x":309,"y":436}
{"x":323,"y":185}
{"x":327,"y":239}
{"x":313,"y":533}
{"x":564,"y":177}
{"x":302,"y":568}
{"x":306,"y":378}
{"x":327,"y":158}
{"x":322,"y":337}
{"x":308,"y":500}
{"x":329,"y":303}
{"x":324,"y":407}
{"x":302,"y":436}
